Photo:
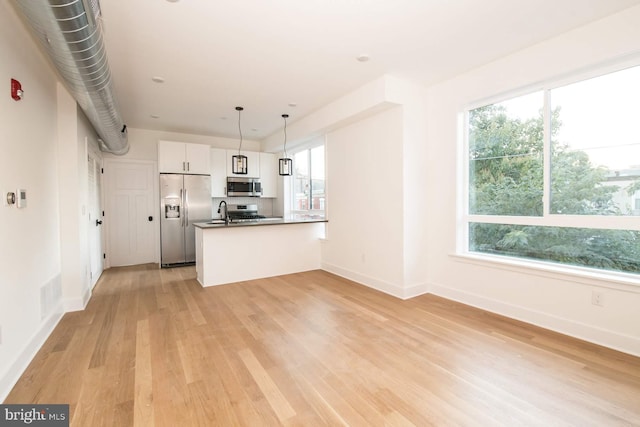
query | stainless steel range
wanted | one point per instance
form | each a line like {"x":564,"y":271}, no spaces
{"x":244,"y":213}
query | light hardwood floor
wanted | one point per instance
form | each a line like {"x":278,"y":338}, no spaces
{"x":155,"y":348}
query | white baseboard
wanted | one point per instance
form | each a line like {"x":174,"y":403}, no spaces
{"x":606,"y":338}
{"x":379,"y":285}
{"x":416,"y":290}
{"x":78,"y":303}
{"x":11,"y":375}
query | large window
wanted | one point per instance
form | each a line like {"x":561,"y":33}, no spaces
{"x":554,"y":175}
{"x":308,"y":198}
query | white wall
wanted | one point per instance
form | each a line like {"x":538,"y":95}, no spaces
{"x":364,"y":167}
{"x":376,"y":192}
{"x":416,"y":210}
{"x":557,"y":301}
{"x":72,"y":166}
{"x":75,"y":137}
{"x":30,"y":270}
{"x":44,"y":256}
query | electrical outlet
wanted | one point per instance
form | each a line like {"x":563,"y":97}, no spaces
{"x":597,"y":298}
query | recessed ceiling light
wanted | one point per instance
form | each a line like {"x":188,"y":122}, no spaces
{"x":173,"y":1}
{"x":158,"y":79}
{"x":363,"y":57}
{"x":293,"y":104}
{"x":155,"y":116}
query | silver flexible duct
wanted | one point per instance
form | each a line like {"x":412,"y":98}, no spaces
{"x":71,"y":33}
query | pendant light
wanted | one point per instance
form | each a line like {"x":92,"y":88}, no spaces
{"x":239,"y":162}
{"x":286,"y":164}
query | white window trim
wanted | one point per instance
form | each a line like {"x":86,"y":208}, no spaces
{"x":608,"y":279}
{"x":314,"y":143}
{"x":567,"y":271}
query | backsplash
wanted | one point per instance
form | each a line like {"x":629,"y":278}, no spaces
{"x":265,"y":205}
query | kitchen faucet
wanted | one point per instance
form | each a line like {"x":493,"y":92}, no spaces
{"x":226,"y":212}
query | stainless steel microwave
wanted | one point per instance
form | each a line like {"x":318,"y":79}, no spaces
{"x":243,"y":187}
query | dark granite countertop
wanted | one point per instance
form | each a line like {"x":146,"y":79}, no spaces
{"x":259,"y":223}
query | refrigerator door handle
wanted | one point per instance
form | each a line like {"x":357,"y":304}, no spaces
{"x":181,"y":209}
{"x":186,"y":208}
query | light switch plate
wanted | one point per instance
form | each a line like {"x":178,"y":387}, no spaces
{"x":21,"y":198}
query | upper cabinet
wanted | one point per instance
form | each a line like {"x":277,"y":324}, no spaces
{"x":218,"y":172}
{"x":197,"y":157}
{"x":253,"y":163}
{"x":181,"y":157}
{"x":269,"y":174}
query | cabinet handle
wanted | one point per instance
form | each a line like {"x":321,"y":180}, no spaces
{"x":183,"y":166}
{"x":187,"y":166}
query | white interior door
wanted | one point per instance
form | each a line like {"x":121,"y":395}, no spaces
{"x":131,"y":212}
{"x":94,"y":225}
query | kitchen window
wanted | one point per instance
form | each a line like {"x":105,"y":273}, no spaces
{"x":554,"y":175}
{"x":308,"y":189}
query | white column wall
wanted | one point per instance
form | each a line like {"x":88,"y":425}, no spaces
{"x":365,"y":230}
{"x":75,"y":134}
{"x":416,"y":210}
{"x":70,"y":185}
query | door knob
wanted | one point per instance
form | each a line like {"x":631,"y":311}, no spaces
{"x":98,"y":222}
{"x":150,"y":218}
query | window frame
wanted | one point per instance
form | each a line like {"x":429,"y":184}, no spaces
{"x":320,"y":142}
{"x":547,"y":218}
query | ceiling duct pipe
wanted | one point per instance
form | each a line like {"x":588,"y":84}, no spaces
{"x":71,"y":33}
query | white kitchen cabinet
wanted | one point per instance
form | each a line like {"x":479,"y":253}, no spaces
{"x":171,"y":157}
{"x":269,"y":174}
{"x":253,"y":163}
{"x":218,"y":160}
{"x":198,"y":158}
{"x":182,"y":157}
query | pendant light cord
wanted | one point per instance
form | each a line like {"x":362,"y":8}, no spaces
{"x":239,"y":130}
{"x":285,"y":135}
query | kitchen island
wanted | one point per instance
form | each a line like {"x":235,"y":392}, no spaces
{"x":228,"y":253}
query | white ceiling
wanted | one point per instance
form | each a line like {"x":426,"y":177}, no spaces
{"x":266,"y":54}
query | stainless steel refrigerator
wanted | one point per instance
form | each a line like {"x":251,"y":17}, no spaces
{"x":184,"y":200}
